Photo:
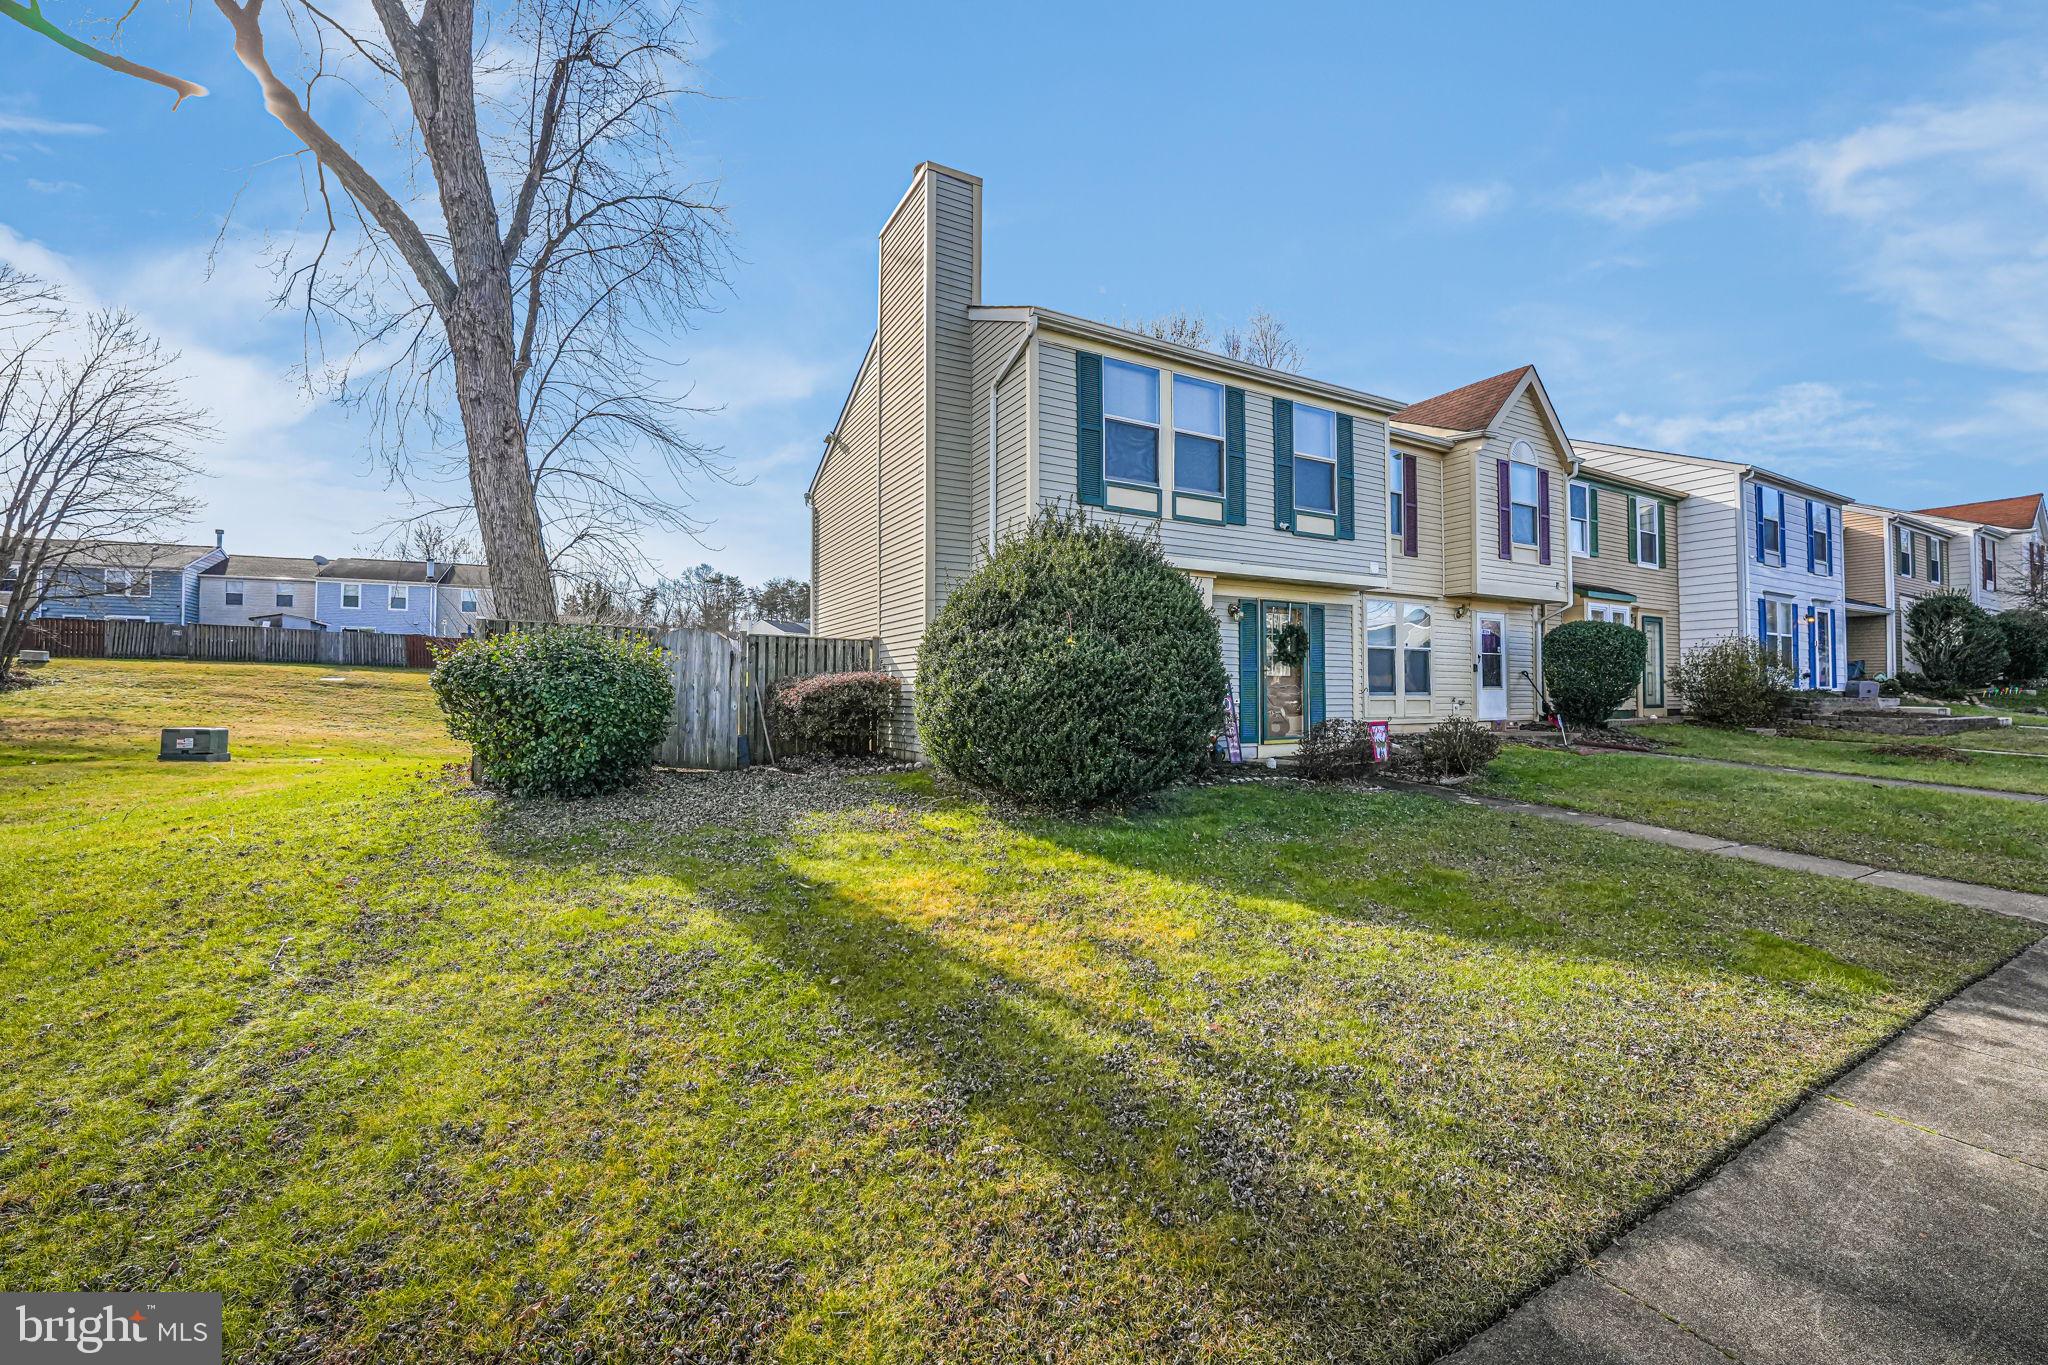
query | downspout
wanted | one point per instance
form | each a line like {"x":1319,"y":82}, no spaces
{"x":1009,"y":364}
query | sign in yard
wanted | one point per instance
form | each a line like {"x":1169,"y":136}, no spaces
{"x":1381,"y":747}
{"x":1230,"y":744}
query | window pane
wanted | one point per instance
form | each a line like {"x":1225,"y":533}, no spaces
{"x":1524,"y":520}
{"x":1379,"y":623}
{"x":1379,"y":672}
{"x":1197,"y":463}
{"x":1315,"y":432}
{"x":1522,"y":483}
{"x":1578,"y":500}
{"x":1198,"y":407}
{"x":1315,"y":484}
{"x":1130,"y":391}
{"x":1130,"y":454}
{"x":1416,"y":662}
{"x":1286,"y":713}
{"x":1417,"y":634}
{"x":1394,"y":524}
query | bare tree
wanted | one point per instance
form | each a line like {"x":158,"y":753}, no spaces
{"x":1264,"y":341}
{"x":1181,"y":327}
{"x":95,"y":451}
{"x":502,"y":325}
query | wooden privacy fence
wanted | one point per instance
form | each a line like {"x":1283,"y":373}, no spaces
{"x":67,"y":637}
{"x":83,"y":638}
{"x":775,"y":659}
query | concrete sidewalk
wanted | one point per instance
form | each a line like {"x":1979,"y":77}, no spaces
{"x":1902,"y":1217}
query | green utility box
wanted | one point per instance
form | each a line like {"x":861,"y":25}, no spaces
{"x":194,"y":744}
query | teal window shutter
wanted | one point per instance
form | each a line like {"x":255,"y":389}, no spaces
{"x":1635,"y":535}
{"x":1344,"y":478}
{"x":1283,"y":464}
{"x":1663,"y":545}
{"x":1592,"y":521}
{"x":1233,"y":456}
{"x":1088,"y":486}
{"x":1316,"y":704}
{"x":1248,"y":650}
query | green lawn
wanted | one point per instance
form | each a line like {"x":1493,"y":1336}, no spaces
{"x":1939,"y":834}
{"x":1856,"y":754}
{"x":805,"y":1069}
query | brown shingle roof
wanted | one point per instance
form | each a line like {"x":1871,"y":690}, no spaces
{"x":1466,"y":409}
{"x":2017,"y":514}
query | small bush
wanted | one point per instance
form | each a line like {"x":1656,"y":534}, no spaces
{"x":1592,"y":667}
{"x":1075,"y":666}
{"x":566,"y":711}
{"x":2026,"y":645}
{"x":1957,"y":643}
{"x":838,"y":713}
{"x":1733,"y":682}
{"x":1335,"y":751}
{"x":1457,"y":747}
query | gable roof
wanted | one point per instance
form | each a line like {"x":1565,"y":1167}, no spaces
{"x":2016,"y":514}
{"x":1470,"y":408}
{"x":401,"y":571}
{"x":135,"y":554}
{"x":262,"y":566}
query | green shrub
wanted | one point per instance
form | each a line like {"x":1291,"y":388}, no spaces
{"x":1733,"y":682}
{"x":1075,"y":666}
{"x":1592,"y":667}
{"x":1957,"y":643}
{"x":839,"y":713}
{"x":1457,"y":746}
{"x":2026,"y":645}
{"x":1335,"y":751}
{"x":565,"y":711}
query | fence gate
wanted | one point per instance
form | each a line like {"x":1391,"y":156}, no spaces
{"x":704,"y":728}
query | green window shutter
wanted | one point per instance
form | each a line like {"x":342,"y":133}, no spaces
{"x":1248,"y":649}
{"x":1088,"y":486}
{"x":1663,"y":545}
{"x":1283,"y":464}
{"x":1233,"y":456}
{"x":1345,"y":478}
{"x":1592,"y":521}
{"x":1635,"y":542}
{"x":1316,"y":704}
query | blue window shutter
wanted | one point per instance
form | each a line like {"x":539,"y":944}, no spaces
{"x":1283,"y":465}
{"x":1316,"y":701}
{"x":1233,"y":456}
{"x":1829,"y":513}
{"x":1810,"y":526}
{"x":1759,"y":522}
{"x":1795,"y":644}
{"x":1345,"y":478}
{"x":1088,"y":487}
{"x":1763,"y":622}
{"x":1248,"y":673}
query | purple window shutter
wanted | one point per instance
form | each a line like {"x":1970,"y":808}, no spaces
{"x":1408,"y":482}
{"x":1543,"y":515}
{"x":1506,"y":510}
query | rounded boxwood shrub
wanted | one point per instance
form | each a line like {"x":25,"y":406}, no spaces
{"x":1592,"y":667}
{"x":2026,"y":644}
{"x":837,"y":713}
{"x":1075,"y":666}
{"x":1733,"y":682}
{"x":566,"y":711}
{"x":1957,"y":643}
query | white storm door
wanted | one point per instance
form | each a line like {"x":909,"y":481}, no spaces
{"x":1490,"y":670}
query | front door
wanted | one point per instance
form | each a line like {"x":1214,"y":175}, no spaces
{"x":1653,"y":660}
{"x":1491,"y":668}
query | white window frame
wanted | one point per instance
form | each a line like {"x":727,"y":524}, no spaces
{"x":1522,"y":456}
{"x":1397,"y":494}
{"x":1903,"y":559}
{"x":1400,"y":649}
{"x":1580,"y":520}
{"x":234,"y":592}
{"x":1219,"y":437}
{"x":1647,"y":525}
{"x":1787,"y":653}
{"x":346,"y":590}
{"x":1428,"y":648}
{"x":1937,"y":559}
{"x":398,"y":597}
{"x":284,"y":596}
{"x":1820,"y":535}
{"x":1299,"y":455}
{"x":1618,"y":612}
{"x":1987,"y":564}
{"x":1779,"y":542}
{"x":467,"y":602}
{"x":1153,"y":426}
{"x":1393,"y":649}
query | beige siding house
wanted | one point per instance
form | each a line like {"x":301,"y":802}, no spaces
{"x":2007,"y":540}
{"x":1894,"y":559}
{"x":1419,"y":547}
{"x":1623,"y":536}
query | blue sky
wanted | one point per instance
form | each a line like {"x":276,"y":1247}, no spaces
{"x":1815,"y":236}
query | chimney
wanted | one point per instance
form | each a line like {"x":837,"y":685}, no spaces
{"x":219,"y":538}
{"x":433,"y":569}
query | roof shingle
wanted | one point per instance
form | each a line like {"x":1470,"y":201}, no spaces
{"x":2015,"y":514}
{"x":1466,"y":409}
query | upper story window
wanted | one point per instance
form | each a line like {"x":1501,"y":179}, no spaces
{"x":1397,"y":494}
{"x":1130,"y":422}
{"x":1523,"y":485}
{"x":1582,"y":519}
{"x":284,"y":596}
{"x":1649,"y":534}
{"x":1990,"y":562}
{"x":1902,"y":551}
{"x":231,"y":592}
{"x":1772,"y":516}
{"x":1197,"y":436}
{"x":351,"y":595}
{"x":1937,"y":560}
{"x":1820,"y":529}
{"x":1315,"y":459}
{"x":128,"y":582}
{"x":398,"y":596}
{"x":469,"y":600}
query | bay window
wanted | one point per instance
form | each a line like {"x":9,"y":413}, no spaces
{"x":1130,"y":422}
{"x":1315,"y":460}
{"x":1197,"y":436}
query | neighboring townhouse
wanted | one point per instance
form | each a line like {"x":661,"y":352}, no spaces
{"x":131,"y":581}
{"x":2008,"y":543}
{"x":1417,"y":547}
{"x":1893,"y":559}
{"x":259,"y":590}
{"x":1623,"y":534}
{"x":400,"y":596}
{"x":1763,"y":556}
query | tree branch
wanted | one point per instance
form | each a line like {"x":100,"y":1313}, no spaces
{"x":30,"y":16}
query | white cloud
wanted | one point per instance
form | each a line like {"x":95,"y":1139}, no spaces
{"x":1470,"y":203}
{"x":1819,"y":425}
{"x":53,"y":186}
{"x":31,"y":125}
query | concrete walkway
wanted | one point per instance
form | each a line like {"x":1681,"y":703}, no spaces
{"x":2019,"y":904}
{"x":1900,"y":1217}
{"x":1922,"y":785}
